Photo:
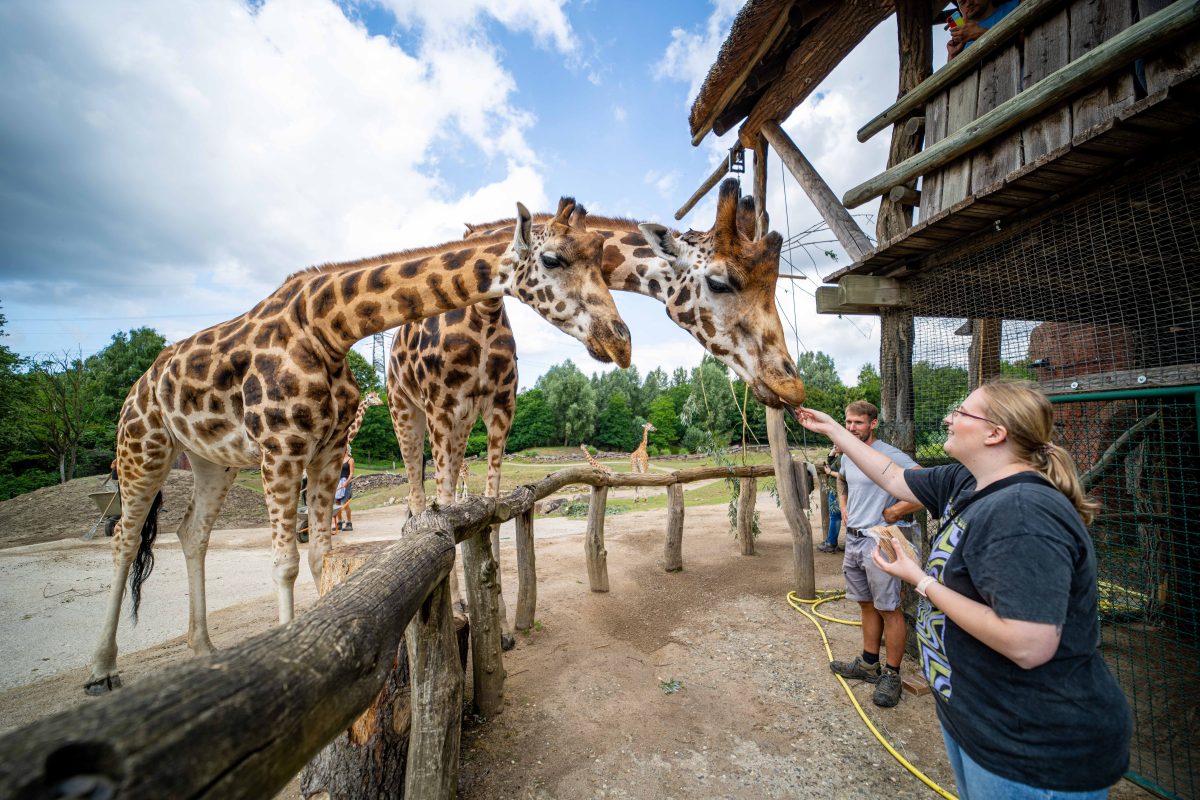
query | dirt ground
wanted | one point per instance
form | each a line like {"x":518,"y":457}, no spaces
{"x":589,"y":707}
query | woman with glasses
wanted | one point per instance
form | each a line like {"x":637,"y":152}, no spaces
{"x":1008,"y":624}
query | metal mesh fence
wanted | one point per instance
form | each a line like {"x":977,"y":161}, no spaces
{"x":1099,"y":304}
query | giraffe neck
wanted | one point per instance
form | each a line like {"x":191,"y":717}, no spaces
{"x":645,"y":438}
{"x":630,"y":265}
{"x":343,"y":303}
{"x":354,"y":426}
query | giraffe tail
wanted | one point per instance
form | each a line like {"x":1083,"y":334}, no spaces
{"x":143,"y":562}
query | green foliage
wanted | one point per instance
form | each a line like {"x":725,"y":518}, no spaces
{"x":710,"y":406}
{"x":619,"y":381}
{"x":936,"y":390}
{"x":376,"y":439}
{"x":869,"y":385}
{"x":61,"y":409}
{"x":477,"y":440}
{"x":115,"y":369}
{"x":364,"y":374}
{"x":665,"y":420}
{"x":670,"y":686}
{"x":615,"y":429}
{"x":696,"y":440}
{"x":572,"y":401}
{"x":533,"y":423}
{"x":818,"y":371}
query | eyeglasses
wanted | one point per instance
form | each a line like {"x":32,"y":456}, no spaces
{"x":959,"y":411}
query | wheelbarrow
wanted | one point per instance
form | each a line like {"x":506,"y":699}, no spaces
{"x":109,"y":504}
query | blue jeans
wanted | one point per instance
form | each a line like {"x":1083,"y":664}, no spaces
{"x":976,"y":783}
{"x":835,"y":520}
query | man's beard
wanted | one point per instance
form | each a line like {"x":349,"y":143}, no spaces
{"x":865,"y":436}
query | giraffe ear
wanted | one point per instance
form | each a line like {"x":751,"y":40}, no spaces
{"x":662,"y":241}
{"x":523,"y":230}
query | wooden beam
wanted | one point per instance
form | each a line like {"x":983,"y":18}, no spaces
{"x":747,"y":489}
{"x":832,"y":38}
{"x":913,"y":126}
{"x":526,"y":573}
{"x":869,"y":290}
{"x":736,"y":84}
{"x":905,"y":196}
{"x":1143,"y":37}
{"x":848,"y":234}
{"x":997,"y":36}
{"x":829,"y":301}
{"x":593,"y":542}
{"x":711,"y":181}
{"x":762,"y":221}
{"x":803,"y":573}
{"x":673,"y":547}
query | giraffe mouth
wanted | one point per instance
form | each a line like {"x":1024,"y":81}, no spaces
{"x":610,"y":344}
{"x":779,"y":394}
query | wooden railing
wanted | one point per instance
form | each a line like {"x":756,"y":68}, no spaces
{"x":242,"y":722}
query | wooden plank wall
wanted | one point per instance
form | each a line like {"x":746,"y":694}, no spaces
{"x":1047,"y":46}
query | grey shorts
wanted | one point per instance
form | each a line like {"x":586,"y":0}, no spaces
{"x":865,"y":582}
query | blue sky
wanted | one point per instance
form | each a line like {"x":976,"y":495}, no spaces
{"x":169,"y":164}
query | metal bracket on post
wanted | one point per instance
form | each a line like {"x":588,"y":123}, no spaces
{"x":737,"y":161}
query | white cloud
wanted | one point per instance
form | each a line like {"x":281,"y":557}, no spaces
{"x":691,"y":53}
{"x":199,"y":153}
{"x":620,"y":114}
{"x":664,"y":183}
{"x":451,"y":20}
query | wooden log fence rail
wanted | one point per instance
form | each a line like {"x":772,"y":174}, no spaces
{"x":242,"y":722}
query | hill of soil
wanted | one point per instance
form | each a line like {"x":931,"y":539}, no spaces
{"x":66,"y":512}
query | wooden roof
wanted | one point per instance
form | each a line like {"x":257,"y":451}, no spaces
{"x":776,"y":54}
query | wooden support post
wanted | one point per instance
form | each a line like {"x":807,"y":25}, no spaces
{"x":762,"y":222}
{"x":526,"y":572}
{"x":673,"y":549}
{"x":803,"y":484}
{"x":913,"y":126}
{"x":804,"y":574}
{"x":984,"y":355}
{"x":848,"y":234}
{"x":1142,"y":38}
{"x":593,"y":544}
{"x":895,"y":372}
{"x":437,"y":659}
{"x":369,"y":759}
{"x":824,"y":500}
{"x":747,"y":489}
{"x":904,"y":196}
{"x":487,"y":663}
{"x":709,"y":182}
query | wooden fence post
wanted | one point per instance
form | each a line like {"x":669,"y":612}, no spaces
{"x":804,"y":573}
{"x":745,"y":514}
{"x":673,"y":549}
{"x":597,"y":556}
{"x":436,"y":662}
{"x":526,"y":572}
{"x":479,"y":569}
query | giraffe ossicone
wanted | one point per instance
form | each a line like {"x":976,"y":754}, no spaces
{"x":271,"y":389}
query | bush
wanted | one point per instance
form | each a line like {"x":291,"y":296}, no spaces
{"x":477,"y":444}
{"x":27,"y":481}
{"x":697,"y":441}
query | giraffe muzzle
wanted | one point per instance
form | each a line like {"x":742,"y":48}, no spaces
{"x":610,"y":342}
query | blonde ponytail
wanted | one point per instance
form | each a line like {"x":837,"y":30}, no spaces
{"x":1028,"y":417}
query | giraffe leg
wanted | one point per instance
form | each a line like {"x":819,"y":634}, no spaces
{"x":324,"y":470}
{"x":448,"y":446}
{"x":409,"y":422}
{"x":281,"y":487}
{"x":140,"y":477}
{"x":498,"y":425}
{"x":212,"y":484}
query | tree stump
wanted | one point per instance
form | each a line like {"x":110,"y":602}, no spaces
{"x":747,"y":490}
{"x":673,"y":549}
{"x":368,"y":759}
{"x":593,"y":546}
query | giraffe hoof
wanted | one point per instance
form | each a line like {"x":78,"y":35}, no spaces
{"x":98,"y":686}
{"x":507,"y":642}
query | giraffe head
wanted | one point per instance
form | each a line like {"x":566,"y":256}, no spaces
{"x":558,"y":274}
{"x":648,"y":428}
{"x":371,"y":399}
{"x":726,"y":297}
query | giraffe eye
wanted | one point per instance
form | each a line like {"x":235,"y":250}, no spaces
{"x":551,"y":261}
{"x":718,"y":287}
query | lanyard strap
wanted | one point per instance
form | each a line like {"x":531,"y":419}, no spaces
{"x":1003,"y":483}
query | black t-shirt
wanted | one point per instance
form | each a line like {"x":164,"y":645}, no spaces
{"x":1022,"y":550}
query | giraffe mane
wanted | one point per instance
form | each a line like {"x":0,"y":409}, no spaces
{"x":593,"y":221}
{"x":399,"y":255}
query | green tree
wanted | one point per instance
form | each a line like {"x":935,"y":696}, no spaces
{"x":665,"y":422}
{"x":868,"y":386}
{"x":572,"y":401}
{"x":710,"y":406}
{"x":680,"y":377}
{"x":364,"y":374}
{"x":619,"y":381}
{"x":11,"y":389}
{"x":936,"y":390}
{"x":615,"y":427}
{"x":818,"y":371}
{"x":376,"y":439}
{"x":533,"y":422}
{"x":115,"y":370}
{"x":61,"y":409}
{"x":655,"y":384}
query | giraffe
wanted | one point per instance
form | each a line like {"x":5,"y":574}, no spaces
{"x":639,"y":460}
{"x":369,"y":399}
{"x":271,"y":388}
{"x":462,"y":490}
{"x":592,"y":462}
{"x":719,"y":285}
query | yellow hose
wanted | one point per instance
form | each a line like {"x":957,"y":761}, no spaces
{"x":797,"y":603}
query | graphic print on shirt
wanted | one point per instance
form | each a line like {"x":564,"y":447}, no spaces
{"x":931,"y":622}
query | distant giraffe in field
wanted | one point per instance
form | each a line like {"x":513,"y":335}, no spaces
{"x":592,"y":461}
{"x":461,"y":489}
{"x":369,"y":399}
{"x":639,"y":460}
{"x":270,"y":388}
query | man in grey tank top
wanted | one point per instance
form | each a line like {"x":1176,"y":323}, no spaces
{"x":865,"y":505}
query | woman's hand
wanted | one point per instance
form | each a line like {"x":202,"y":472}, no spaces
{"x":815,"y":421}
{"x":904,"y":567}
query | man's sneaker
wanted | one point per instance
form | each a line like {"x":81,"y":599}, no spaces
{"x":887,"y":688}
{"x":347,"y":526}
{"x":857,"y":669}
{"x":826,"y":547}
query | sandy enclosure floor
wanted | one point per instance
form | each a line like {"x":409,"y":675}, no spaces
{"x":756,"y":714}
